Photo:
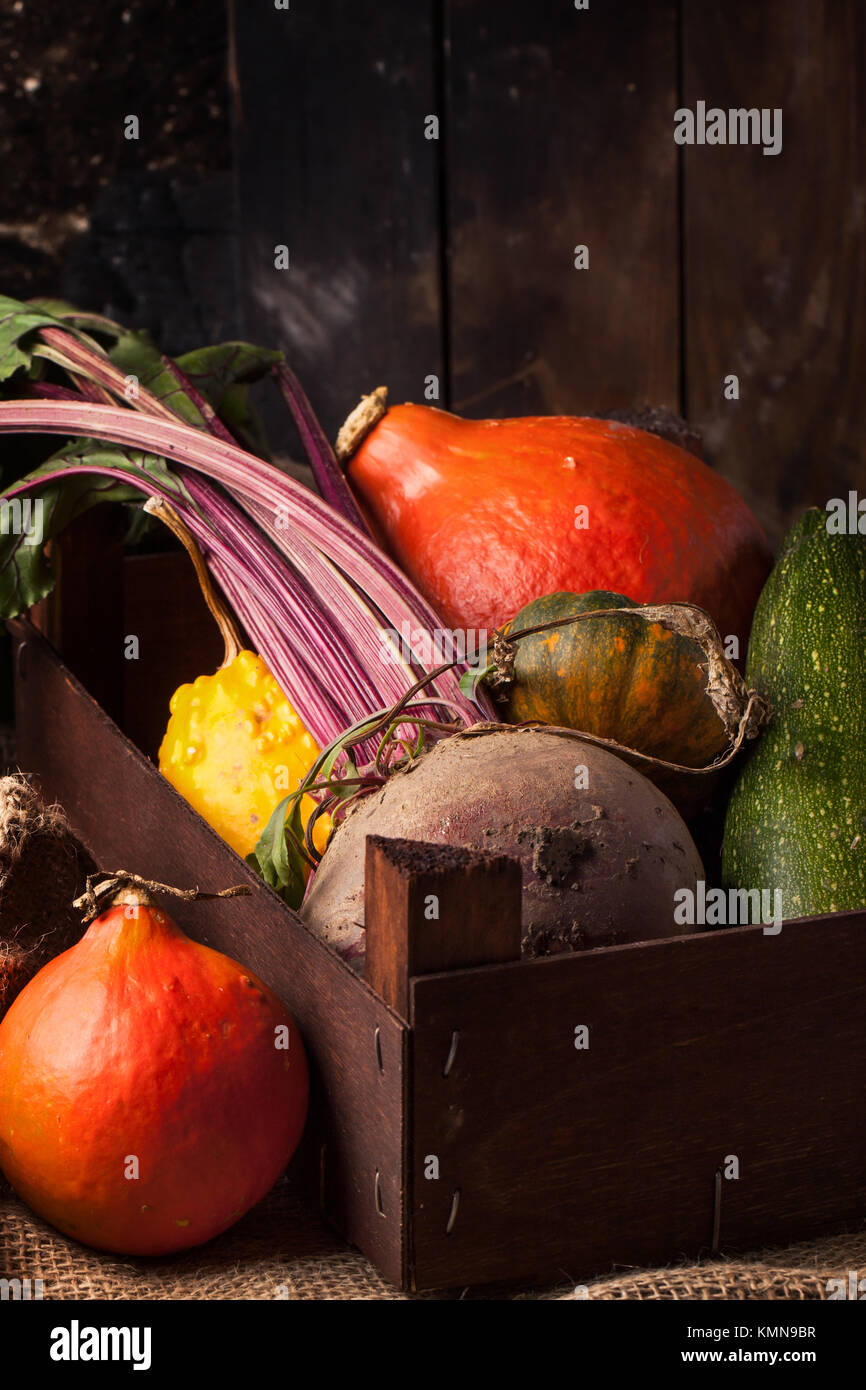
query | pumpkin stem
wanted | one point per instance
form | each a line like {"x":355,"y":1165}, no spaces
{"x":157,"y":506}
{"x":124,"y":887}
{"x":501,"y":678}
{"x":358,"y":424}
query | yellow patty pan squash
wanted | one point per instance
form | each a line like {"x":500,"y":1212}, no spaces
{"x":234,"y":748}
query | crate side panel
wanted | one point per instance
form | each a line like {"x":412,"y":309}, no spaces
{"x":177,"y":640}
{"x":130,"y":817}
{"x":569,"y":1160}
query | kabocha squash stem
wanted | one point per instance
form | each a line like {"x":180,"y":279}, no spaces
{"x":231,"y":638}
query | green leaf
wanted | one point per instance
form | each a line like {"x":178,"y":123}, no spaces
{"x":222,"y":374}
{"x":338,"y":788}
{"x":26,"y":575}
{"x":323,"y":769}
{"x":213,"y":370}
{"x":471,"y":679}
{"x":18,"y":322}
{"x":278,"y":856}
{"x":76,"y":318}
{"x":137,"y":355}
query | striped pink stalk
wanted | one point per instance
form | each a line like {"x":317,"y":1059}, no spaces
{"x":313,"y":591}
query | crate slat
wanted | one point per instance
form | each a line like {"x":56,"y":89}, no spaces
{"x":724,"y":1043}
{"x":429,"y":907}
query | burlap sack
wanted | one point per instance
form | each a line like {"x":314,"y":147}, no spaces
{"x":795,"y":1272}
{"x":282,"y":1250}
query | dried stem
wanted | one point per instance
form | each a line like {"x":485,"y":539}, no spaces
{"x":98,"y":896}
{"x":232,"y":641}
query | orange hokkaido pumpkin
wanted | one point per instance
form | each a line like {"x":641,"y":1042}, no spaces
{"x":151,"y":1089}
{"x":486,"y":515}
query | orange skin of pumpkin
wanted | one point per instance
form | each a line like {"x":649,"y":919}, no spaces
{"x":481,"y":515}
{"x":138,"y":1041}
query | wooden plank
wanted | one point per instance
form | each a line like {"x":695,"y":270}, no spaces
{"x":433,"y":907}
{"x":84,"y":611}
{"x":775,"y":253}
{"x":116,"y":224}
{"x":568,"y":1160}
{"x":104,"y":600}
{"x":559,"y":133}
{"x":333,"y":163}
{"x":130,"y":817}
{"x":177,"y":638}
{"x":160,"y":252}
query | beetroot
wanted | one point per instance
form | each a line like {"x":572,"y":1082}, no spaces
{"x":601,"y":849}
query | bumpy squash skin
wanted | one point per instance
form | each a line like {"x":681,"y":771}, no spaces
{"x":796,"y":819}
{"x":481,"y":515}
{"x":234,"y":748}
{"x":617,"y":677}
{"x":138,"y":1041}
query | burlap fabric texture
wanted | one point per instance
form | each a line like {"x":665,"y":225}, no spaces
{"x":282,"y":1250}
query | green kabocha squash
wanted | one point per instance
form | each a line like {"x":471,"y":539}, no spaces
{"x":652,"y":681}
{"x":796,"y":820}
{"x":641,"y":678}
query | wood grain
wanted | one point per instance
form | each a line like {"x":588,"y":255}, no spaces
{"x":559,"y":133}
{"x":573,"y":1161}
{"x":84,"y":611}
{"x":332,"y":161}
{"x":178,"y":641}
{"x":775,"y":253}
{"x":433,"y":907}
{"x":130,"y":817}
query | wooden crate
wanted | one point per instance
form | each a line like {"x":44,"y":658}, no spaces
{"x":462,"y":1137}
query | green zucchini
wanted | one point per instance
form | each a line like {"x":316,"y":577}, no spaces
{"x":796,"y":820}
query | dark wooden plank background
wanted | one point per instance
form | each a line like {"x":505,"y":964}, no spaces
{"x":559,"y":133}
{"x":332,"y":162}
{"x":775,"y":254}
{"x":453,"y":258}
